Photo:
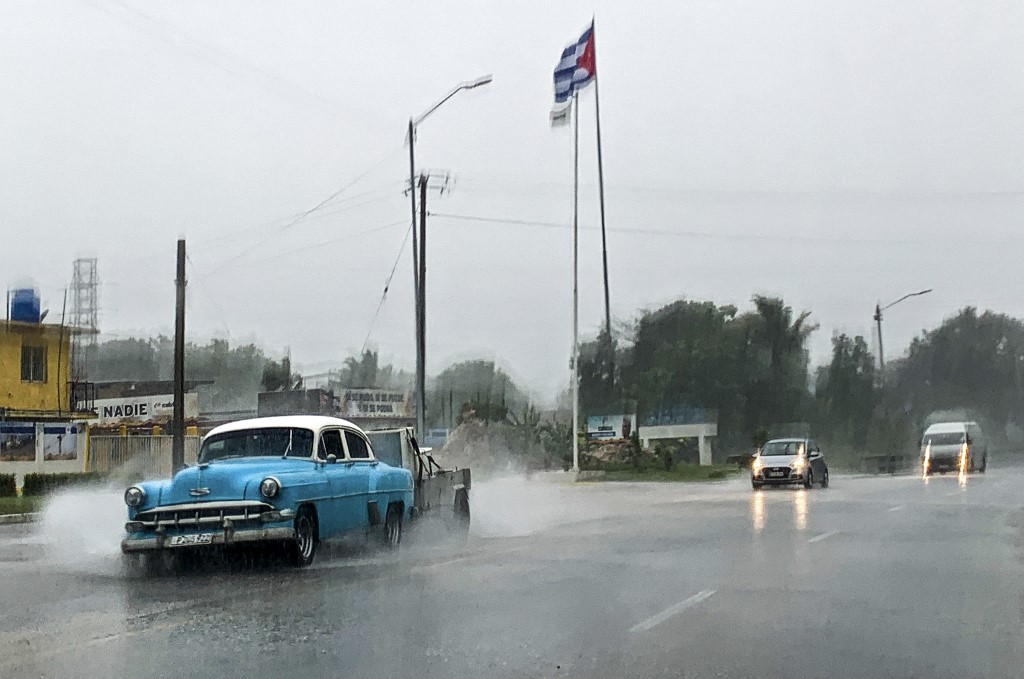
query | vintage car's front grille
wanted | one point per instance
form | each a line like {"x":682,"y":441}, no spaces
{"x":203,"y":514}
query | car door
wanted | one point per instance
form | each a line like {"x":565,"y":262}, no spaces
{"x":362,"y":466}
{"x":816,"y":459}
{"x":345,"y":486}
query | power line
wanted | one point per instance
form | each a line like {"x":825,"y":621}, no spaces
{"x":697,"y":234}
{"x":303,"y":215}
{"x":387,"y":286}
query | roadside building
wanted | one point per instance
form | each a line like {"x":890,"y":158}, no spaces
{"x":42,"y":410}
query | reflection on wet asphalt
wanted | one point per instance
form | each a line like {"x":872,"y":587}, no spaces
{"x":873,"y":577}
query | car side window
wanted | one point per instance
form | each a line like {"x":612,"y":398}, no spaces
{"x":357,"y":447}
{"x":330,"y":444}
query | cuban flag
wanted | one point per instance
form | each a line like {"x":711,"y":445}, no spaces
{"x":576,"y":69}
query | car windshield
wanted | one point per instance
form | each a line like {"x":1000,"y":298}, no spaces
{"x":953,"y":438}
{"x":262,"y":442}
{"x":775,"y":448}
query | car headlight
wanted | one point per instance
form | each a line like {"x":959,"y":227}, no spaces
{"x":799,"y":463}
{"x":134,"y":496}
{"x":757,"y":465}
{"x":269,"y":487}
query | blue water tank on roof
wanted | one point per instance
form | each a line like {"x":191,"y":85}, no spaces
{"x":25,"y":305}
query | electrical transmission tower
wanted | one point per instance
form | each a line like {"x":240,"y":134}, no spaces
{"x":84,"y":314}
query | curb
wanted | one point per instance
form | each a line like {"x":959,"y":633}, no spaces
{"x":13,"y":519}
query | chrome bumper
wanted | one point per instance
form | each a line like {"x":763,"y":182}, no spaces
{"x":221,"y":537}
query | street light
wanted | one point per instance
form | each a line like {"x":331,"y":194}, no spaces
{"x":419,"y":264}
{"x":878,"y":319}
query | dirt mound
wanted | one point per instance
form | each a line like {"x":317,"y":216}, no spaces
{"x":613,"y":451}
{"x":482,"y":447}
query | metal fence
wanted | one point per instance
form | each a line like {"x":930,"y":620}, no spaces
{"x":148,"y":456}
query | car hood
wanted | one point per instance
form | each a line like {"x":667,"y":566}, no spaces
{"x":227,"y":479}
{"x":777,"y":460}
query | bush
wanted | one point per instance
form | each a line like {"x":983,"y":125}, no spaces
{"x":7,"y":487}
{"x":41,"y":484}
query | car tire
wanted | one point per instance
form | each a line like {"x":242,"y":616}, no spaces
{"x":458,"y":524}
{"x":824,"y":479}
{"x":809,"y":479}
{"x":302,"y":550}
{"x":392,"y":534}
{"x":984,"y":464}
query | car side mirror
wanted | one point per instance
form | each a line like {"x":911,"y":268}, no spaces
{"x":332,"y":458}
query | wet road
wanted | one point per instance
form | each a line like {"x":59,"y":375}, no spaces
{"x":874,"y":577}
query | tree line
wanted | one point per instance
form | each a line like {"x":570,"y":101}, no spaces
{"x":750,"y":369}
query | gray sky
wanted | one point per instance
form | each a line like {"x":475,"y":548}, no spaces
{"x":832,"y":155}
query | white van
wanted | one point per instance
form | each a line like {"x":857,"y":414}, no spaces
{"x":945,"y":443}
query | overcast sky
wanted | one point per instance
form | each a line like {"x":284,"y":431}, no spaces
{"x":831,"y":153}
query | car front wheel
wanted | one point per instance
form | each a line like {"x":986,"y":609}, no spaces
{"x":303,"y":548}
{"x":809,"y":479}
{"x":824,"y":479}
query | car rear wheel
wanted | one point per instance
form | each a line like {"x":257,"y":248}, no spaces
{"x":302,"y":550}
{"x":458,"y":525}
{"x":393,"y":526}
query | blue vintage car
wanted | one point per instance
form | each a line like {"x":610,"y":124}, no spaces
{"x":292,"y":480}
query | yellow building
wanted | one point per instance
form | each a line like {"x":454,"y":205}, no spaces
{"x":35,"y":371}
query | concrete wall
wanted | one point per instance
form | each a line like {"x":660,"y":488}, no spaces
{"x":701,"y":432}
{"x":40,"y":465}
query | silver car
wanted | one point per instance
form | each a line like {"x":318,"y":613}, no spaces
{"x":787,"y":461}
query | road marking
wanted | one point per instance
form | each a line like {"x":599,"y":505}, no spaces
{"x":896,"y":508}
{"x":655,"y":620}
{"x":823,"y":536}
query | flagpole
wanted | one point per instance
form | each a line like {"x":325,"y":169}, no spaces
{"x":575,"y":284}
{"x":600,"y":191}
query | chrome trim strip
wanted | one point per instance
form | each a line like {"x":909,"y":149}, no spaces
{"x":193,"y":506}
{"x":218,"y":538}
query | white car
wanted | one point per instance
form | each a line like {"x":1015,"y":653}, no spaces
{"x":787,"y":461}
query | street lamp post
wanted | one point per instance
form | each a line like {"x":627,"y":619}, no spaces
{"x":419,"y":260}
{"x":878,"y":320}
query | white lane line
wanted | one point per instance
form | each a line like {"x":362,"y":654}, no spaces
{"x":655,"y":620}
{"x":896,"y":508}
{"x":823,"y":536}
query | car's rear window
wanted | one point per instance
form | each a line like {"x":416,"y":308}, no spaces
{"x":261,"y":442}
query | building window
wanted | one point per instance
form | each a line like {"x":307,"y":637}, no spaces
{"x":33,"y":364}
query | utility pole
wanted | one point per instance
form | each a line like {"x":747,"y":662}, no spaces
{"x":881,"y":354}
{"x":178,"y":426}
{"x":421,"y":314}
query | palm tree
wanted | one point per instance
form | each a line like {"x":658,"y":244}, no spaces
{"x":784,"y":337}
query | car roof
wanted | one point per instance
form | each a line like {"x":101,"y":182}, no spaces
{"x":789,"y":440}
{"x":947,"y":428}
{"x":314,"y":422}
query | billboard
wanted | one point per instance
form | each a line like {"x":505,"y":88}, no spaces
{"x":143,"y":408}
{"x":60,"y":442}
{"x":610,"y":426}
{"x":18,"y":442}
{"x":376,"y":403}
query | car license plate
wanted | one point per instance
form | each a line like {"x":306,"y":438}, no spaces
{"x":776,"y":475}
{"x":188,"y":540}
